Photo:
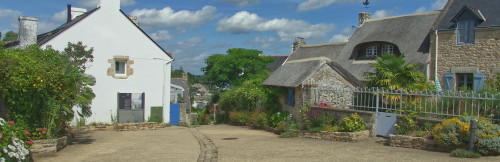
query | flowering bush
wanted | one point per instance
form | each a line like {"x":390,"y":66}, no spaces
{"x":15,"y":142}
{"x":324,"y":104}
{"x":239,"y":117}
{"x":258,"y":119}
{"x":354,"y":123}
{"x":452,"y":132}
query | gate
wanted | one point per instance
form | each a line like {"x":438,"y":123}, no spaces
{"x":385,"y":123}
{"x":175,"y":110}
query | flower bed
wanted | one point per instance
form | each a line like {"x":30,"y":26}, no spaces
{"x":336,"y":136}
{"x":51,"y":145}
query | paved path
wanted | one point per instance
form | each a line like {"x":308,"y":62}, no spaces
{"x":243,"y":144}
{"x":164,"y":144}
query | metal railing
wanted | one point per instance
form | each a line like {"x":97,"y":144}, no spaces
{"x":426,"y":103}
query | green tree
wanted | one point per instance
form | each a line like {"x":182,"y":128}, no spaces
{"x":237,"y":66}
{"x":393,"y":72}
{"x":177,"y":73}
{"x":43,"y":85}
{"x":9,"y":36}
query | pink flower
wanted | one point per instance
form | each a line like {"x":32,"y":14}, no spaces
{"x":44,"y":132}
{"x":0,"y":136}
{"x":11,"y":122}
{"x":44,"y":128}
{"x":26,"y":132}
{"x":39,"y":128}
{"x":29,"y":142}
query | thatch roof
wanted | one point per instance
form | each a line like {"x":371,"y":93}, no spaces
{"x":293,"y":74}
{"x":318,"y":52}
{"x":410,"y":33}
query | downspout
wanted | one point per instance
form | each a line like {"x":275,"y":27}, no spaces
{"x":436,"y":78}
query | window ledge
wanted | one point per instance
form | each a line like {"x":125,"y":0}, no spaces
{"x":363,"y":61}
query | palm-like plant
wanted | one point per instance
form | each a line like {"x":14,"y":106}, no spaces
{"x":394,"y":73}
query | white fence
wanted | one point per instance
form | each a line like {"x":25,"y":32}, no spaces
{"x":426,"y":103}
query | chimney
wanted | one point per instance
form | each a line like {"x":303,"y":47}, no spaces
{"x":363,"y":17}
{"x":299,"y":41}
{"x":109,"y":4}
{"x":69,"y":18}
{"x":27,"y":31}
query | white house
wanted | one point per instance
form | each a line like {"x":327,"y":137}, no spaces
{"x":132,"y":71}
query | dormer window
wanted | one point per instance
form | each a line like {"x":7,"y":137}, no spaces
{"x":465,"y":32}
{"x":371,"y":50}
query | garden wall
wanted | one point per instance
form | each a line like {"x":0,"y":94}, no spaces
{"x":139,"y":126}
{"x":51,"y":145}
{"x":368,"y":116}
{"x":336,"y":136}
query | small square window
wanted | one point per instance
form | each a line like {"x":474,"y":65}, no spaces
{"x":120,"y":67}
{"x":387,"y":49}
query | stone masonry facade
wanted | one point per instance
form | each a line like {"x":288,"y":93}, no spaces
{"x":481,"y":57}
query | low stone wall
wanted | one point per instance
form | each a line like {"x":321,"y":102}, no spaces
{"x":369,"y":117}
{"x":51,"y":145}
{"x":138,"y":126}
{"x":337,"y":136}
{"x":415,"y":143}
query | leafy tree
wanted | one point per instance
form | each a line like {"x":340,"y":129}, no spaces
{"x":43,"y":86}
{"x":10,"y":36}
{"x":177,"y":73}
{"x":234,"y":68}
{"x":393,"y":72}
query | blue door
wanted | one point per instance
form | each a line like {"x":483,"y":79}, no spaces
{"x":175,"y":111}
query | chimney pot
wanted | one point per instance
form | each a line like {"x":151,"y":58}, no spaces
{"x":299,"y":41}
{"x":69,"y":18}
{"x":28,"y":27}
{"x":363,"y":17}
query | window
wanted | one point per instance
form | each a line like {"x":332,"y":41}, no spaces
{"x":387,"y":49}
{"x":465,"y":32}
{"x":291,"y":97}
{"x":465,"y":80}
{"x":120,"y":67}
{"x":371,"y":51}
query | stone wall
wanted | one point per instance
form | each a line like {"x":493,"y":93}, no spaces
{"x":183,"y":110}
{"x":336,"y":136}
{"x":415,"y":143}
{"x":369,"y":117}
{"x":481,"y":57}
{"x":294,"y":110}
{"x":51,"y":145}
{"x":326,"y":77}
{"x":138,"y":126}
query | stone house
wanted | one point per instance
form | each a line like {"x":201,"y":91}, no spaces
{"x":341,"y":65}
{"x":465,"y":44}
{"x":132,"y":71}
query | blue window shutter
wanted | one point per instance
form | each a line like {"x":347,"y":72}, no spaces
{"x":478,"y":81}
{"x":449,"y":80}
{"x":291,"y":97}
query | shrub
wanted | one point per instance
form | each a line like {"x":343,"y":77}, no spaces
{"x":205,"y":119}
{"x":407,"y":125}
{"x":330,"y":128}
{"x":353,"y":123}
{"x":276,"y":118}
{"x":281,"y":126}
{"x":288,"y":135}
{"x":14,"y":140}
{"x":239,"y":117}
{"x":154,"y":118}
{"x":258,"y":119}
{"x":452,"y":133}
{"x":462,"y":153}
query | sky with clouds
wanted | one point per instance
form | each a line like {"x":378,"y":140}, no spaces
{"x":196,"y":29}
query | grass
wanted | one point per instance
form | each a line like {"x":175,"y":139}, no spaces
{"x":288,"y":135}
{"x":462,"y":153}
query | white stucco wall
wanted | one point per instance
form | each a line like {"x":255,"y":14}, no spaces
{"x":110,"y":33}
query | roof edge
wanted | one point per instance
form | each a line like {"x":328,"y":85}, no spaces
{"x":408,"y":15}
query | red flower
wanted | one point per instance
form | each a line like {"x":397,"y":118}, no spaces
{"x":11,"y":122}
{"x":26,"y":132}
{"x":29,"y":142}
{"x":39,"y":128}
{"x":44,"y":132}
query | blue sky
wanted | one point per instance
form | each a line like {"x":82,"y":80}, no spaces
{"x":196,"y":29}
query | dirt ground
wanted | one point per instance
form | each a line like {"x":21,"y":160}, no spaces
{"x":165,"y":144}
{"x":258,"y":145}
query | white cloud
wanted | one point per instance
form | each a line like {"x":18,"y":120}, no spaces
{"x":262,"y":42}
{"x":316,"y":4}
{"x":7,"y":14}
{"x":421,"y":9}
{"x":9,"y":18}
{"x":286,"y":29}
{"x":60,"y":16}
{"x":167,"y":17}
{"x":383,"y":13}
{"x":191,"y":42}
{"x":343,"y":36}
{"x":93,"y":3}
{"x":162,"y":35}
{"x":44,"y":27}
{"x":439,"y":4}
{"x":241,"y":2}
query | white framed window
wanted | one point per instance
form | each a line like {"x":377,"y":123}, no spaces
{"x":120,"y":67}
{"x":371,"y":51}
{"x":387,"y":49}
